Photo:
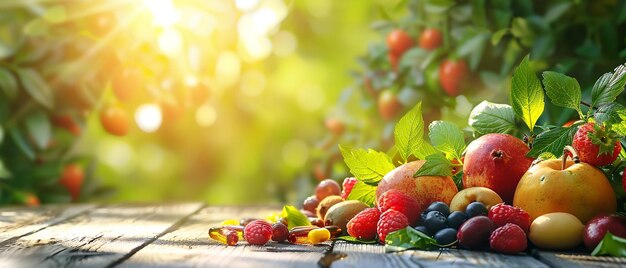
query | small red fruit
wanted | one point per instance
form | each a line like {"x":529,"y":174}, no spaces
{"x":502,"y":214}
{"x":258,"y":232}
{"x":115,"y":120}
{"x":401,"y":202}
{"x":279,"y":232}
{"x":363,"y":225}
{"x":310,"y":204}
{"x":348,"y":184}
{"x":31,"y":200}
{"x":399,"y":42}
{"x":475,"y":232}
{"x":67,"y":122}
{"x":597,"y":227}
{"x":430,"y":39}
{"x":390,"y":221}
{"x":452,"y":74}
{"x":126,"y":83}
{"x":388,"y":105}
{"x":496,"y":161}
{"x":327,"y":188}
{"x":595,"y":145}
{"x":335,"y":126}
{"x":72,"y":178}
{"x":509,"y":239}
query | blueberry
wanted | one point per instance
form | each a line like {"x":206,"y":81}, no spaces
{"x":423,"y":230}
{"x":446,"y":236}
{"x":456,"y":219}
{"x":435,"y":221}
{"x":475,"y":209}
{"x":441,"y":207}
{"x":423,"y":217}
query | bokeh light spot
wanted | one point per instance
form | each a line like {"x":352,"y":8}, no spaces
{"x":151,"y":157}
{"x":246,"y":5}
{"x":148,"y":117}
{"x":252,"y":83}
{"x":116,"y":154}
{"x":163,"y":11}
{"x":206,"y":115}
{"x":285,"y":43}
{"x":170,"y":42}
{"x":295,"y":153}
{"x":227,"y":69}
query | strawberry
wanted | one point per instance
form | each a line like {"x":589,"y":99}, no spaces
{"x":509,"y":239}
{"x":390,"y":221}
{"x":363,"y":225}
{"x":596,"y":145}
{"x":347,"y":185}
{"x":401,"y":202}
{"x":501,"y":214}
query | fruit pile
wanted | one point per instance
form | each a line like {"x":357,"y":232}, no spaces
{"x":498,"y":192}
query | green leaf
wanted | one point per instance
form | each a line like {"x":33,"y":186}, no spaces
{"x":8,"y":84}
{"x":438,"y":6}
{"x":526,"y":94}
{"x":611,"y":245}
{"x":355,"y":240}
{"x":498,"y":35}
{"x":367,"y":166}
{"x":609,"y":86}
{"x":36,"y":87}
{"x":552,"y":141}
{"x":447,"y":138}
{"x":614,"y":115}
{"x":563,"y":90}
{"x":436,"y":165}
{"x":294,"y":217}
{"x":22,"y":144}
{"x":39,"y":129}
{"x":409,"y":132}
{"x":408,"y":238}
{"x":424,"y":150}
{"x":363,"y":192}
{"x":488,"y":117}
{"x":36,"y":27}
{"x":556,"y":11}
{"x":4,"y":172}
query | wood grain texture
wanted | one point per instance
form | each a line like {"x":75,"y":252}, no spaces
{"x":568,"y":260}
{"x":19,"y":221}
{"x":95,"y":239}
{"x":365,"y":255}
{"x":190,"y":246}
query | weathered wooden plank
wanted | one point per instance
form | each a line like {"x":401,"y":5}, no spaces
{"x":569,"y":260}
{"x":373,"y":255}
{"x":190,"y":245}
{"x":95,"y":239}
{"x":19,"y":221}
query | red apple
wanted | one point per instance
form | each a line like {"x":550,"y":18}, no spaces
{"x":425,"y":189}
{"x":597,"y":227}
{"x":496,"y":161}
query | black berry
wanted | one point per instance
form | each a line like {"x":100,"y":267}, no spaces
{"x":435,"y":221}
{"x":441,"y":207}
{"x":446,"y":236}
{"x":476,"y":209}
{"x":456,"y":219}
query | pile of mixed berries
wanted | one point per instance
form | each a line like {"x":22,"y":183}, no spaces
{"x":501,"y":227}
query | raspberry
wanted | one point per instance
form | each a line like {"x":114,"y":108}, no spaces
{"x":347,"y":186}
{"x":401,"y":202}
{"x":509,"y":239}
{"x":502,"y":214}
{"x":258,"y":232}
{"x":363,"y":225}
{"x":390,"y":221}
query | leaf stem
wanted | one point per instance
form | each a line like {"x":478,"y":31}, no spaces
{"x":585,"y":104}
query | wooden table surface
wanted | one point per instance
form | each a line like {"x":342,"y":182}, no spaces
{"x":175,"y":235}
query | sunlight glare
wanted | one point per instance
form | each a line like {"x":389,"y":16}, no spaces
{"x":252,"y":83}
{"x":227,"y":69}
{"x":206,"y":115}
{"x":148,"y":117}
{"x":170,"y":42}
{"x":163,"y":11}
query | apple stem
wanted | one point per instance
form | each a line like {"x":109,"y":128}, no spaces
{"x":573,"y":153}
